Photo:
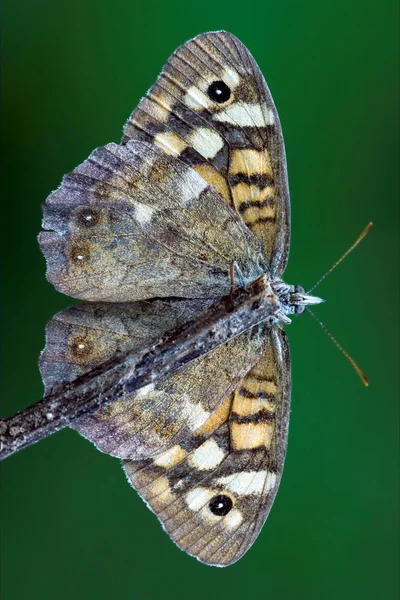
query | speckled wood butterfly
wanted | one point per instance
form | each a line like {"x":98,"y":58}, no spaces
{"x":152,"y":232}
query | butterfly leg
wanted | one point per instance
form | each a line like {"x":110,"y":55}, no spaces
{"x":236,"y":269}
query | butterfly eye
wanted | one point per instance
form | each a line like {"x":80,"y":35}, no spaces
{"x":219,"y":92}
{"x":299,"y":289}
{"x":220,"y":505}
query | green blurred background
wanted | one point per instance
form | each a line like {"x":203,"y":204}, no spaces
{"x":71,"y":74}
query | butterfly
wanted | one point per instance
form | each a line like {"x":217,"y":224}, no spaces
{"x":152,"y":232}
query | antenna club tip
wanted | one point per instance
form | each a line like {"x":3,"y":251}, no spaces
{"x":361,"y":374}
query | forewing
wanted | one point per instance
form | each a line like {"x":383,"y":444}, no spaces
{"x":157,"y":416}
{"x":131,"y":223}
{"x":213,"y":491}
{"x":229,"y":134}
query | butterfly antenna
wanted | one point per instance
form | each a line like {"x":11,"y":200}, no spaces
{"x":358,"y":240}
{"x":343,"y":351}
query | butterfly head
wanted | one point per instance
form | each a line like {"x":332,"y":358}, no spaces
{"x":293,"y":298}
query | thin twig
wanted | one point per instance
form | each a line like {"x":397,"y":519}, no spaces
{"x":136,"y":368}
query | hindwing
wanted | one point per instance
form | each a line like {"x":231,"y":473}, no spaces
{"x":158,"y":415}
{"x":213,"y":491}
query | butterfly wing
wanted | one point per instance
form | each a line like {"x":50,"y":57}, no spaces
{"x":212,"y":109}
{"x":132,"y":222}
{"x":157,"y":416}
{"x":213,"y":491}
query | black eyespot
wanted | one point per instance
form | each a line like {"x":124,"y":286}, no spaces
{"x":79,"y":252}
{"x":88,"y":217}
{"x":80,"y":347}
{"x":299,"y":289}
{"x":220,"y":505}
{"x":219,"y":92}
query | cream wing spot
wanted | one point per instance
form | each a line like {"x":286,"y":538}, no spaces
{"x":270,"y":482}
{"x":159,"y":493}
{"x":231,"y":78}
{"x":171,"y":143}
{"x":191,"y":185}
{"x":268,"y":115}
{"x":245,"y":114}
{"x":171,"y":457}
{"x":198,"y":498}
{"x":206,"y":141}
{"x":208,"y":456}
{"x":193,"y":413}
{"x":159,"y":112}
{"x":249,"y":482}
{"x":233,"y":519}
{"x":143,"y":213}
{"x":196,"y":99}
